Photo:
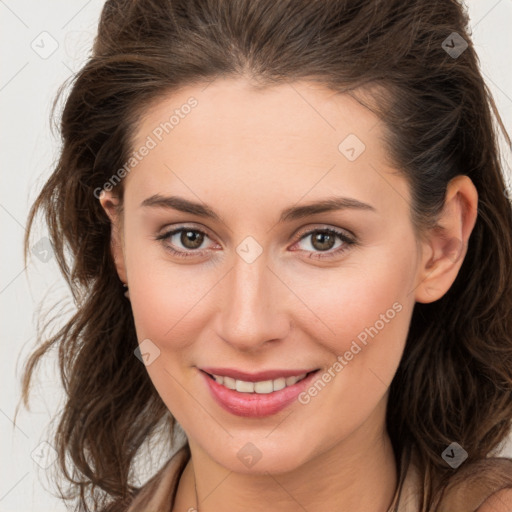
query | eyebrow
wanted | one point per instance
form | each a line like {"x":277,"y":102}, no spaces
{"x":289,"y":214}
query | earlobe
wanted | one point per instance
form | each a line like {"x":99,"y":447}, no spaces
{"x":446,"y":244}
{"x":110,"y":204}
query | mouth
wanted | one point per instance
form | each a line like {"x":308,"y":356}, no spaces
{"x":261,"y":387}
{"x":256,"y":398}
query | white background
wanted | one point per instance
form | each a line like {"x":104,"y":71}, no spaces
{"x":28,"y":84}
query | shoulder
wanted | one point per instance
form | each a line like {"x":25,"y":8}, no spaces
{"x":484,"y":485}
{"x":500,"y":501}
{"x":160,"y":490}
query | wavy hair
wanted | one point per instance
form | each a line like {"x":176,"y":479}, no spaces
{"x":454,"y":381}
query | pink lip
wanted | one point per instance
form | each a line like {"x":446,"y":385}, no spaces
{"x":254,"y":405}
{"x":255,"y":377}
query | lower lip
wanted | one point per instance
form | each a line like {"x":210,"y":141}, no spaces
{"x":255,"y":405}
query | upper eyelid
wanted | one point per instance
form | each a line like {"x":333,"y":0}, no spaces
{"x":165,"y":232}
{"x":338,"y":231}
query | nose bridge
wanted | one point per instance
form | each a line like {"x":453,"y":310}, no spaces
{"x":251,"y":312}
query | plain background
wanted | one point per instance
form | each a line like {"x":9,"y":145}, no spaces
{"x":44,"y":43}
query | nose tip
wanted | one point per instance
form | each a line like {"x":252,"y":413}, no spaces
{"x":251,"y":307}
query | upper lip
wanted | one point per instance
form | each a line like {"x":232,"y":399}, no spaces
{"x":256,"y":377}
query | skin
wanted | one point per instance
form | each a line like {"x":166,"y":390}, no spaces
{"x":250,"y":154}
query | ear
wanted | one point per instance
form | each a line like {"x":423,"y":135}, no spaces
{"x":111,"y":204}
{"x":445,"y":245}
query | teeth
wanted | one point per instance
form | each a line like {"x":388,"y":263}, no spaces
{"x":219,"y":380}
{"x":229,"y":382}
{"x":265,"y":386}
{"x":261,"y":387}
{"x":244,"y":387}
{"x":279,"y":383}
{"x":290,"y":381}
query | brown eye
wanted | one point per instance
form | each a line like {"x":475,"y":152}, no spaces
{"x":184,"y":241}
{"x":328,"y":240}
{"x":323,"y":240}
{"x":191,"y":239}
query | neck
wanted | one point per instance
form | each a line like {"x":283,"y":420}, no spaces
{"x":342,"y":475}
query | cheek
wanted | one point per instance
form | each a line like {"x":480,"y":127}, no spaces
{"x":168,"y":304}
{"x":166,"y":300}
{"x":363,"y":311}
{"x":171,"y":302}
{"x":368,"y":311}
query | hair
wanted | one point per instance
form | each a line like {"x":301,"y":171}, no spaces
{"x":454,"y":381}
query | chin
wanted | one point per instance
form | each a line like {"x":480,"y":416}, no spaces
{"x":259,"y":456}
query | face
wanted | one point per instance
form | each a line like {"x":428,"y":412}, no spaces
{"x":264,"y":283}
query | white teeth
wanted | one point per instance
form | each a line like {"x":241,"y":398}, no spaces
{"x":229,"y":382}
{"x":261,"y":387}
{"x":244,"y":387}
{"x":279,"y":383}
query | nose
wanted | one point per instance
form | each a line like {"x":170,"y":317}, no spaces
{"x":252,"y":305}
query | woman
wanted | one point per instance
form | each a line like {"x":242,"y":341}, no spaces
{"x":288,"y":235}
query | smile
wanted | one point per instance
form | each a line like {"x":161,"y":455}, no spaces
{"x":265,"y":394}
{"x":260,"y":387}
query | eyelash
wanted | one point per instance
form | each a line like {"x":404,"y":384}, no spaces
{"x":348,"y":242}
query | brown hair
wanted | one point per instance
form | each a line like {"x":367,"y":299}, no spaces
{"x":454,"y":382}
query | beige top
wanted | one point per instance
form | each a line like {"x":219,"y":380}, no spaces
{"x":159,"y":494}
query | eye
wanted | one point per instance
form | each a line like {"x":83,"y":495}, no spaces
{"x":190,"y":240}
{"x":323,"y":240}
{"x":320,"y":240}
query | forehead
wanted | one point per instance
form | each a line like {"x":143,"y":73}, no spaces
{"x":230,"y":110}
{"x":288,"y":140}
